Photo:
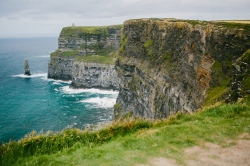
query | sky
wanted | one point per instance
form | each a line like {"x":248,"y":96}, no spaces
{"x":46,"y":18}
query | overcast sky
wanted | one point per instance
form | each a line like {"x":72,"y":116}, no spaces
{"x":32,"y":18}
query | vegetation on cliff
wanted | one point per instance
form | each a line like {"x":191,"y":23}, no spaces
{"x":222,"y":83}
{"x":131,"y":142}
{"x":97,"y":59}
{"x":69,"y":53}
{"x":82,"y":30}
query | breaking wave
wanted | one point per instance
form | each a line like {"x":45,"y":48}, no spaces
{"x":98,"y":102}
{"x":68,"y":90}
{"x":32,"y":75}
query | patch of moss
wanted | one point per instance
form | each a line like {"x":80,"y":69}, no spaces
{"x":235,"y":25}
{"x":221,"y":78}
{"x":65,"y":53}
{"x":151,"y":52}
{"x":213,"y":94}
{"x":246,"y":81}
{"x":55,"y":53}
{"x":246,"y":57}
{"x":156,"y":57}
{"x":148,"y":44}
{"x":124,"y":40}
{"x":221,"y":84}
{"x":81,"y":30}
{"x":97,"y":59}
{"x":70,"y":53}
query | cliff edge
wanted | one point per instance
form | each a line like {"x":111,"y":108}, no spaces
{"x":168,"y":65}
{"x":86,"y":55}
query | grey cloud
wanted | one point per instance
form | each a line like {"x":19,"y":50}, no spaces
{"x":114,"y":8}
{"x":47,"y":13}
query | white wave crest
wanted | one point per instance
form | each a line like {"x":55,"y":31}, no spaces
{"x":68,"y":90}
{"x":32,"y":75}
{"x":101,"y":102}
{"x":55,"y":82}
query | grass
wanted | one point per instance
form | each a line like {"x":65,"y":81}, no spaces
{"x":124,"y":40}
{"x":70,"y":53}
{"x":130,"y":142}
{"x":97,"y":59}
{"x":221,"y":86}
{"x":65,"y":53}
{"x":55,"y":54}
{"x":237,"y":25}
{"x":236,"y":21}
{"x":73,"y":30}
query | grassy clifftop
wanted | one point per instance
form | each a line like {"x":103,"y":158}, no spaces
{"x":95,"y":30}
{"x":131,"y":142}
{"x":238,"y":24}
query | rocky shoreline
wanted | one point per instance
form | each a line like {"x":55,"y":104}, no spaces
{"x":164,"y":66}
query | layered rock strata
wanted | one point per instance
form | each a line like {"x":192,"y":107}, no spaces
{"x":168,"y":66}
{"x":94,"y":75}
{"x":74,"y":43}
{"x":26,"y":68}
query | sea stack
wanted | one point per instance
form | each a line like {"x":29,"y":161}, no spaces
{"x":26,"y":68}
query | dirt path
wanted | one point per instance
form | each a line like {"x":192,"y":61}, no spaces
{"x":212,"y":155}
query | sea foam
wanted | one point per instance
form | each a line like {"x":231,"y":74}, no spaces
{"x":101,"y":102}
{"x":32,"y":75}
{"x":68,"y":90}
{"x":56,"y":82}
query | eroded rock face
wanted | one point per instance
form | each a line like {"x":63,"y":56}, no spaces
{"x":26,"y":68}
{"x":166,"y":66}
{"x":60,"y":68}
{"x":90,"y":40}
{"x":94,"y":75}
{"x":77,"y":42}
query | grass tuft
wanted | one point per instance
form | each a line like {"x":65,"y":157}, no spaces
{"x":97,"y":59}
{"x":130,"y":142}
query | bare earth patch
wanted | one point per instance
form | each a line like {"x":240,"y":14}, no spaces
{"x":212,"y":155}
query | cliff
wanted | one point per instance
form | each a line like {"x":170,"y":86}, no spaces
{"x":94,"y":75}
{"x":166,"y":66}
{"x":85,"y":55}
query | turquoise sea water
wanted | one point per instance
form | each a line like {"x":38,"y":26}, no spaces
{"x":38,"y":103}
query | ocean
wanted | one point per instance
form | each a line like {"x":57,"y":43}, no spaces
{"x":37,"y":103}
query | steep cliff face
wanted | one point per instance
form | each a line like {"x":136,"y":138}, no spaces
{"x":94,"y":75}
{"x":168,"y":66}
{"x":61,"y":67}
{"x":90,"y":40}
{"x":84,"y":56}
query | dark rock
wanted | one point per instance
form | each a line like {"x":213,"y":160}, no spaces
{"x":248,"y":91}
{"x":26,"y":68}
{"x":86,"y":75}
{"x":174,"y":73}
{"x":94,"y":75}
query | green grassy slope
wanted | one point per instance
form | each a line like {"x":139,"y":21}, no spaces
{"x":131,"y":142}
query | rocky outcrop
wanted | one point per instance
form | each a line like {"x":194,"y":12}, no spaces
{"x":26,"y":68}
{"x":90,"y":40}
{"x":168,"y":66}
{"x":76,"y":43}
{"x":240,"y":85}
{"x":94,"y":75}
{"x":61,"y":67}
